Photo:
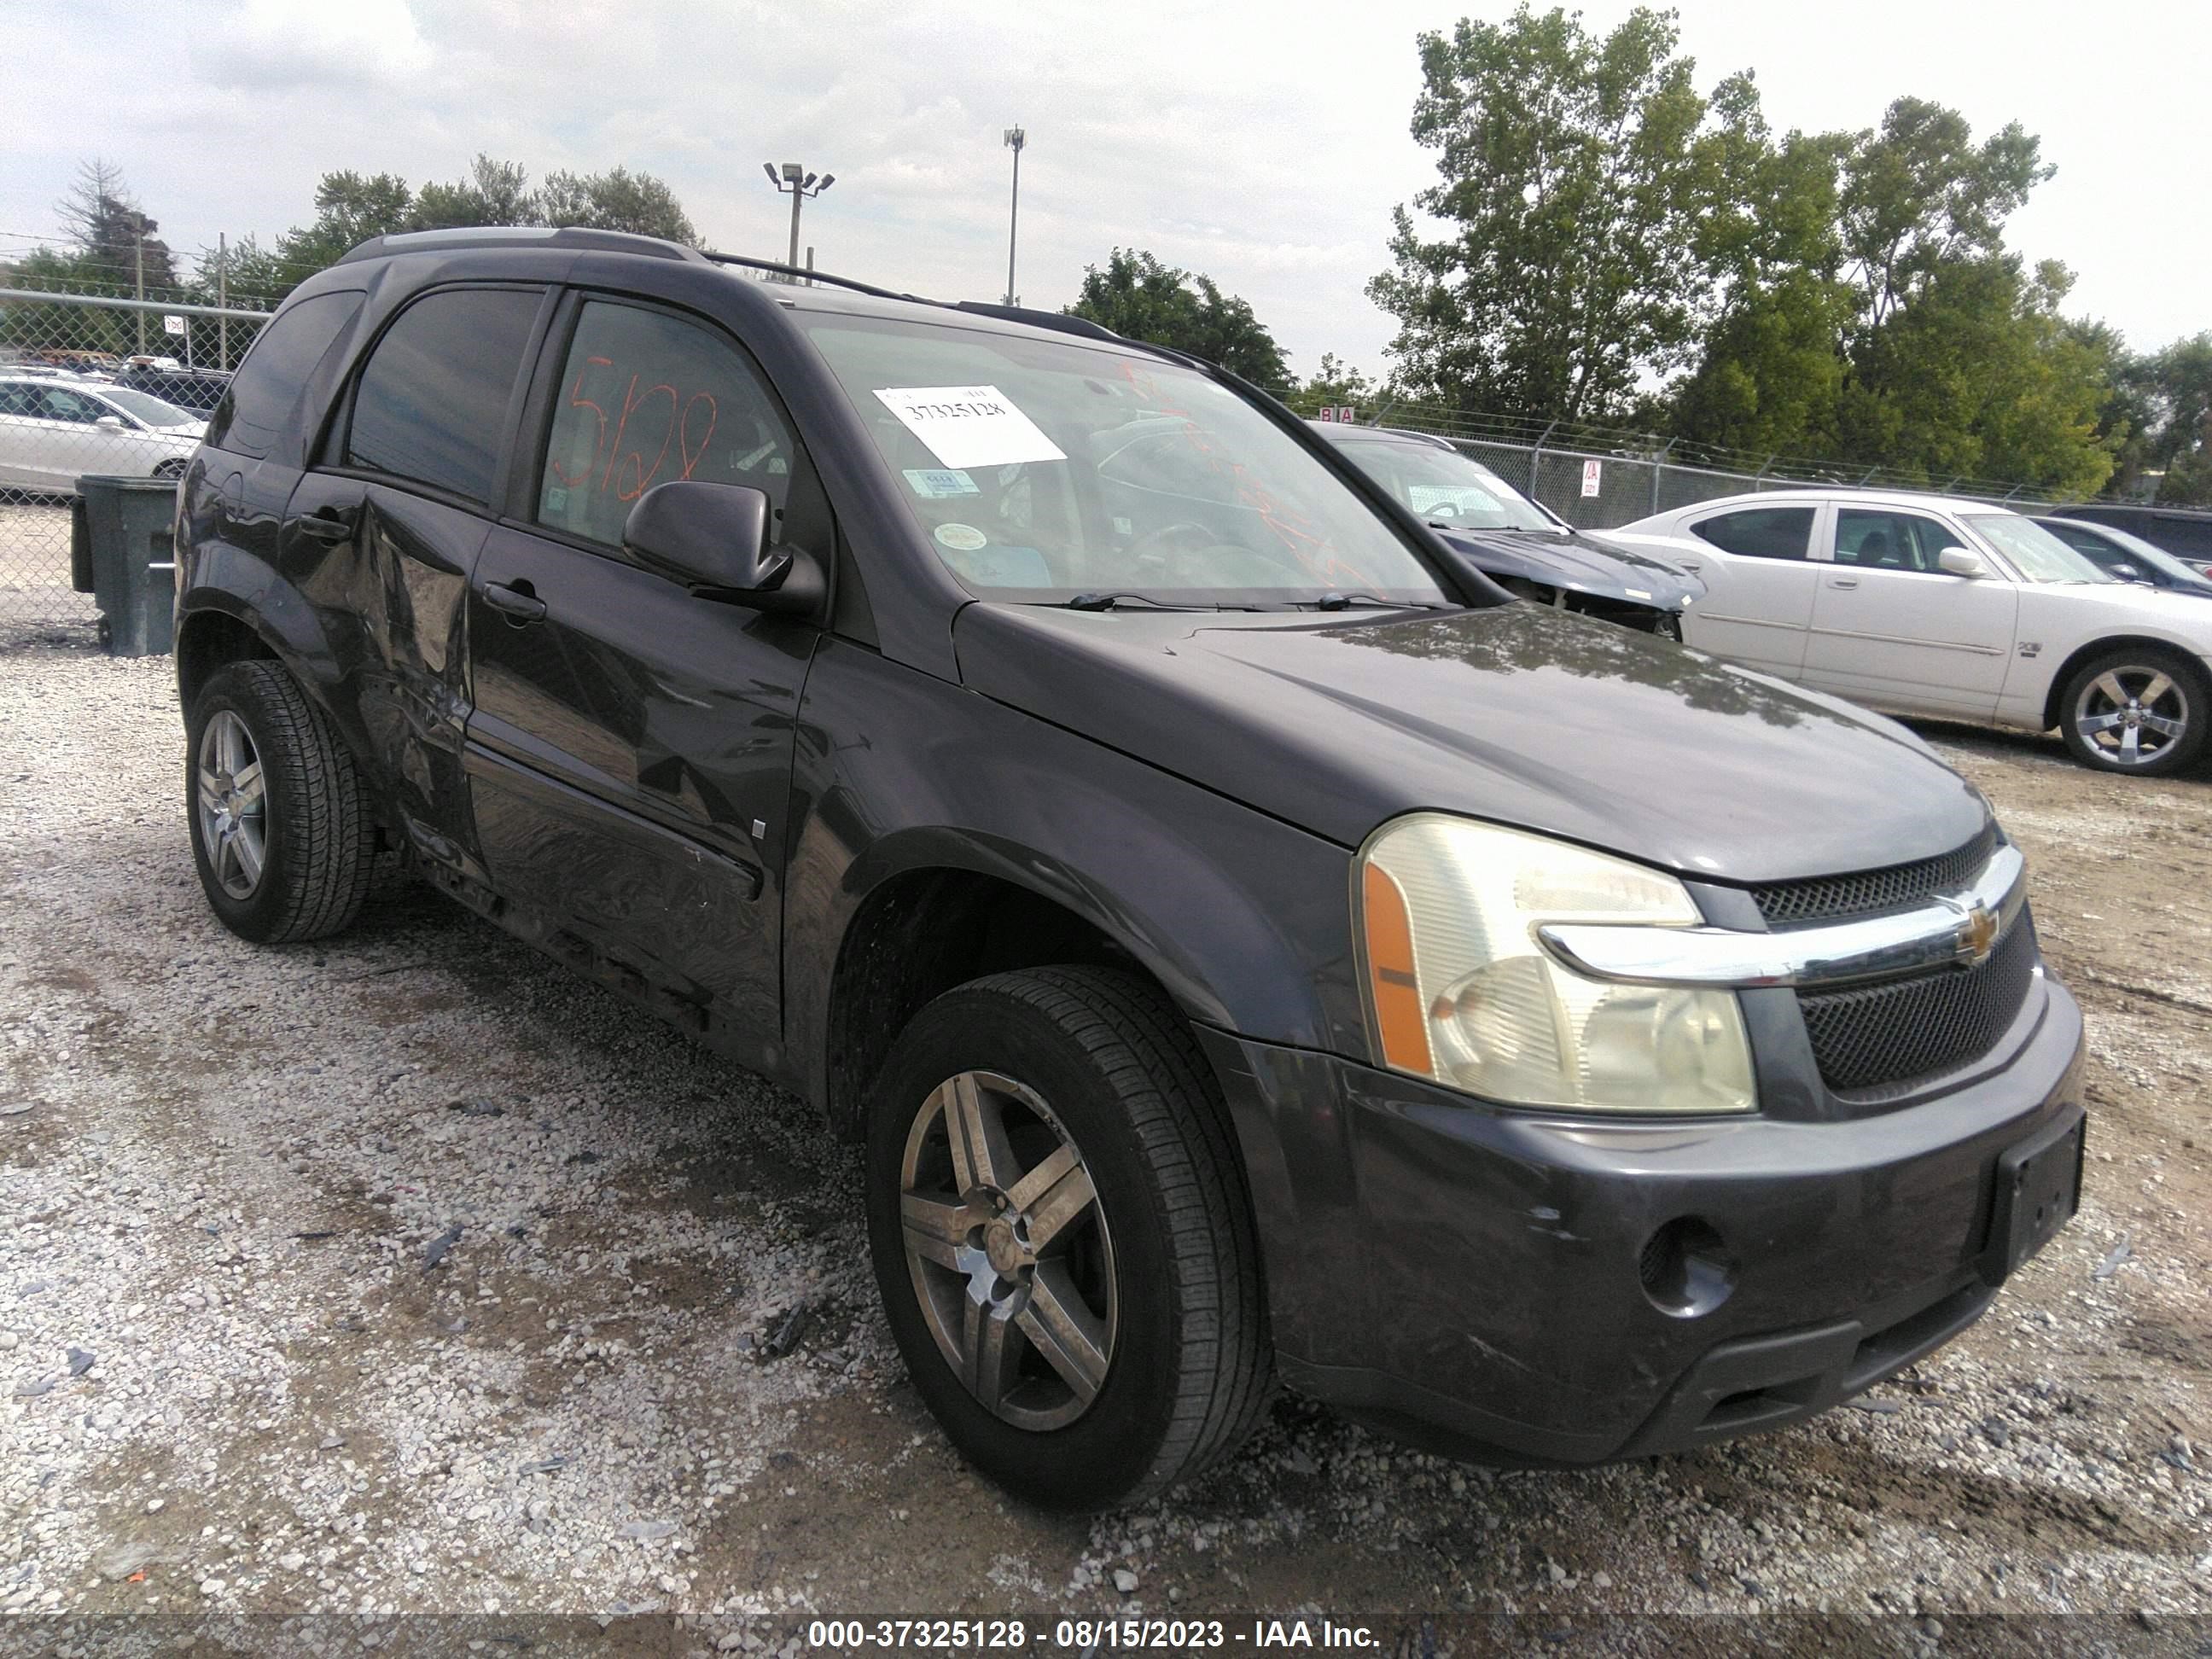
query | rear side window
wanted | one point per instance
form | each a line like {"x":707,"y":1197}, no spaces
{"x":262,"y":394}
{"x":1760,"y":533}
{"x":432,"y":403}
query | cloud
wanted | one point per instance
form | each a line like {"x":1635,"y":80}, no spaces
{"x":1262,"y":143}
{"x":329,"y":46}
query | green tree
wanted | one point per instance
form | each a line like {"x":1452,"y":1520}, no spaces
{"x":614,"y":200}
{"x":1869,"y":311}
{"x":1137,"y":295}
{"x":494,"y":193}
{"x":112,"y":236}
{"x":1573,"y":189}
{"x":1335,"y":384}
{"x":1770,"y":364}
{"x":1979,"y":377}
{"x":2169,"y":395}
{"x":1919,"y":195}
{"x":351,"y":208}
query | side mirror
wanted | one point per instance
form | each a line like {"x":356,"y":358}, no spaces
{"x":110,"y":424}
{"x":1960,"y":562}
{"x":714,"y":538}
{"x":2126,"y":573}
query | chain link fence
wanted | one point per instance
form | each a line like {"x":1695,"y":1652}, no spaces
{"x":1599,"y":478}
{"x":92,"y":385}
{"x":98,"y":385}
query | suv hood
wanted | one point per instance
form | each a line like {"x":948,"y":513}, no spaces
{"x":1576,"y":561}
{"x":1517,"y":714}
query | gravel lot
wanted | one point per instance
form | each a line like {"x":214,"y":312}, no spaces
{"x":229,"y":1380}
{"x":35,"y":595}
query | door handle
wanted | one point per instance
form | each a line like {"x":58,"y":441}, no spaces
{"x":326,"y":524}
{"x":1691,"y":565}
{"x":1842,"y":581}
{"x":516,"y":601}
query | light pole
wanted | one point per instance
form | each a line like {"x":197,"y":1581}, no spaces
{"x":796,"y":182}
{"x":1015,"y":139}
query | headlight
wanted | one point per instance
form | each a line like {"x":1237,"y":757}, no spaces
{"x":1459,"y":990}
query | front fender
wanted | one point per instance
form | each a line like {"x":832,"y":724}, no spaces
{"x":1243,"y":919}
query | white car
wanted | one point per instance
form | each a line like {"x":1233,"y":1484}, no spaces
{"x":1928,"y":605}
{"x":55,"y":429}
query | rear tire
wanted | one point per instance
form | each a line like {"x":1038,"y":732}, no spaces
{"x":1150,"y":1262}
{"x":280,"y":824}
{"x":2137,"y":710}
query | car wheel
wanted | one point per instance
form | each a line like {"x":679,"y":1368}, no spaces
{"x":2134,"y":710}
{"x":1062,"y":1236}
{"x":172,"y":468}
{"x":280,"y":831}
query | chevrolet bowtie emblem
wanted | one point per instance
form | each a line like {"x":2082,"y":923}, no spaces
{"x":1977,"y":933}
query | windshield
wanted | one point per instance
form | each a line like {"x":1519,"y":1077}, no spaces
{"x":1049,"y":471}
{"x":2038,"y":556}
{"x":1441,"y":485}
{"x":149,"y":409}
{"x":2135,"y":550}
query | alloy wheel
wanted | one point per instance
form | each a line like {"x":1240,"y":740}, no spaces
{"x":232,"y":802}
{"x":2130,"y":716}
{"x":1007,"y":1250}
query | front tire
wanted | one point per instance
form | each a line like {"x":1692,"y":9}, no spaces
{"x":1062,"y":1236}
{"x":279,"y":825}
{"x":2139,"y":710}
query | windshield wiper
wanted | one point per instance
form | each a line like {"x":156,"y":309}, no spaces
{"x":1365,"y":602}
{"x":1109,"y":601}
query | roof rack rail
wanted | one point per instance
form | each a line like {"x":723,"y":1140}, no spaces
{"x":565,"y":236}
{"x":1057,"y":321}
{"x":780,"y":269}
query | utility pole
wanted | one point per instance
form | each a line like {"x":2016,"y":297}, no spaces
{"x":222,"y":300}
{"x":796,"y":182}
{"x":141,"y":246}
{"x":1015,"y":139}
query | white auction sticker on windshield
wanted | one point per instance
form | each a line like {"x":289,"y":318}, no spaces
{"x":966,"y":426}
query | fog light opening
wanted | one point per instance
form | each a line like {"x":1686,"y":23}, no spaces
{"x":1686,"y":1268}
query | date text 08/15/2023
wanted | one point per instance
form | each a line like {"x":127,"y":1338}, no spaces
{"x":1087,"y":1635}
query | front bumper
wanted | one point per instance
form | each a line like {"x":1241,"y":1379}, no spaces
{"x":1468,"y":1278}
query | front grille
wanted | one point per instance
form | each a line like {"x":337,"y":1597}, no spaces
{"x":1877,"y":1037}
{"x":1869,"y":892}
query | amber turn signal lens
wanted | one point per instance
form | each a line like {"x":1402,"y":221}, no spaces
{"x":1393,"y":989}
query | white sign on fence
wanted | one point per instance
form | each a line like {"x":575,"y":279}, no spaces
{"x":1327,"y":412}
{"x":1593,"y":477}
{"x":172,"y":325}
{"x":1346,"y":414}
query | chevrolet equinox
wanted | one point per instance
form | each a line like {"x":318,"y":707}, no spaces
{"x":1244,"y":944}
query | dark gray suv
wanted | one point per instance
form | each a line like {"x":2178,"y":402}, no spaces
{"x":1243,"y":945}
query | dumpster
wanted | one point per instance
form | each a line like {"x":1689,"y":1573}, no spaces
{"x":122,"y":552}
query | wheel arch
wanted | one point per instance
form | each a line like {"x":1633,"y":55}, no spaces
{"x":2109,"y":642}
{"x":210,"y":638}
{"x":947,"y":912}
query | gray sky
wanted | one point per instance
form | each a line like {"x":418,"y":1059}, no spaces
{"x":1264,"y":145}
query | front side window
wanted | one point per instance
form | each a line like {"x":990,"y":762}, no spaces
{"x":646,"y":398}
{"x":59,"y":403}
{"x":1041,"y":469}
{"x":1890,"y":541}
{"x":1759,"y":533}
{"x":432,"y":403}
